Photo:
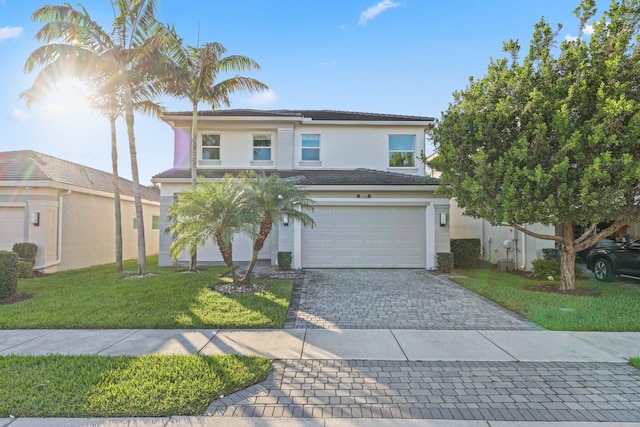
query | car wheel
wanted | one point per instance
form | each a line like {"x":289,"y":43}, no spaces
{"x":602,"y":270}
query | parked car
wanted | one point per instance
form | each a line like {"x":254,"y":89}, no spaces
{"x":609,"y":259}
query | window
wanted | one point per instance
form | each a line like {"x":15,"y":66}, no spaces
{"x":402,"y":151}
{"x":262,"y":147}
{"x":310,"y":147}
{"x":210,"y":147}
{"x":155,"y":222}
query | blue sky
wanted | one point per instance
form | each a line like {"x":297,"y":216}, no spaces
{"x":381,"y":56}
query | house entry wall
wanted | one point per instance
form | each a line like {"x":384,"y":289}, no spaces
{"x":11,"y":226}
{"x":365,"y":237}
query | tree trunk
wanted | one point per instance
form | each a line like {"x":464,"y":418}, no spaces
{"x":193,"y":265}
{"x":567,"y":259}
{"x":227,"y":256}
{"x":142,"y":255}
{"x":116,"y":195}
{"x":265,"y":229}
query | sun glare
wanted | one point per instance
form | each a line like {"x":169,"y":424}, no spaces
{"x":66,"y":100}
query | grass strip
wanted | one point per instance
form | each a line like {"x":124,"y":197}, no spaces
{"x":100,"y":298}
{"x":121,"y":386}
{"x":635,"y":361}
{"x":616,"y":309}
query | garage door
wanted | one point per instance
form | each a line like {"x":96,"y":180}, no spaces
{"x":11,"y":227}
{"x":365,"y":237}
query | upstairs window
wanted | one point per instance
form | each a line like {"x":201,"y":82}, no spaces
{"x":262,"y":147}
{"x":402,"y":151}
{"x":210,"y":147}
{"x":311,"y":147}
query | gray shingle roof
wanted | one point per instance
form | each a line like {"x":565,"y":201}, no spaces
{"x":316,"y":176}
{"x":27,"y":165}
{"x":311,"y":114}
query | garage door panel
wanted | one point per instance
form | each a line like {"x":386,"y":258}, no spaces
{"x":365,"y":237}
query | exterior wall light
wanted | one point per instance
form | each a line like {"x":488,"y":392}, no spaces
{"x":443,"y":219}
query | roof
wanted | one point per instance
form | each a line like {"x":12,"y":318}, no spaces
{"x":27,"y":165}
{"x":320,"y":115}
{"x":316,"y":176}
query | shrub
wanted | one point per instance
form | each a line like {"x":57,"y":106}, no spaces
{"x":25,"y":269}
{"x":546,"y":267}
{"x":284,"y":260}
{"x":26,"y":251}
{"x":445,"y":261}
{"x":551,"y":253}
{"x":466,"y":252}
{"x":8,"y":274}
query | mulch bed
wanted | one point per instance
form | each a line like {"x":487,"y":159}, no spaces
{"x":233,"y":290}
{"x":20,"y":296}
{"x":554,"y":289}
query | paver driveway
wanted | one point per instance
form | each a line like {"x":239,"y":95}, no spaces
{"x":393,"y":299}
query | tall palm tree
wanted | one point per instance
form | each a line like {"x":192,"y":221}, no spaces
{"x":210,"y":210}
{"x":77,"y":47}
{"x":271,"y":200}
{"x":132,"y":53}
{"x":195,"y":74}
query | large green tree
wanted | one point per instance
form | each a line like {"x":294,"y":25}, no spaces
{"x":195,"y":77}
{"x":552,"y":137}
{"x":132,"y":57}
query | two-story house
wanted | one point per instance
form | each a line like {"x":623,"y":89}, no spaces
{"x":375,"y":206}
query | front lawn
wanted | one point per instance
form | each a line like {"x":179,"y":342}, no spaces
{"x":617,"y":309}
{"x":121,"y":386}
{"x":99,"y":298}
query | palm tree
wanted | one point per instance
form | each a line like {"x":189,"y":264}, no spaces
{"x":77,"y":47}
{"x":195,"y":73}
{"x":271,"y":200}
{"x":131,"y":58}
{"x":210,"y":210}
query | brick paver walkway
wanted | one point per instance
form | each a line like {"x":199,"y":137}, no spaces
{"x":508,"y":391}
{"x":393,"y":299}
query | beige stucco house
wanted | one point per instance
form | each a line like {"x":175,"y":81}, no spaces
{"x":68,"y":211}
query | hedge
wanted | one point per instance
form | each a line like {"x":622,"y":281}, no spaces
{"x":445,"y":262}
{"x":466,"y":252}
{"x":8,"y":274}
{"x":26,"y":251}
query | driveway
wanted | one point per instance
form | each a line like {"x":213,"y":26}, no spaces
{"x":393,"y":299}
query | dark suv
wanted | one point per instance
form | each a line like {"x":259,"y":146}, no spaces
{"x":608,"y":259}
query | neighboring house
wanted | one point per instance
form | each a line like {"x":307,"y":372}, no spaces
{"x":499,"y":242}
{"x":68,"y":211}
{"x":375,"y":207}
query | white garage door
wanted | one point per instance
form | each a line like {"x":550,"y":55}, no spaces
{"x":365,"y":237}
{"x":11,"y":227}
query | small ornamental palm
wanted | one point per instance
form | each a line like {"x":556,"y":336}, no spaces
{"x":272,"y":199}
{"x":210,"y":210}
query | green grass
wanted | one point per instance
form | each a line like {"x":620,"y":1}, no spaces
{"x":99,"y":298}
{"x":121,"y":386}
{"x":635,"y":361}
{"x":617,"y":309}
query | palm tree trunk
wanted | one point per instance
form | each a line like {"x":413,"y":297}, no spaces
{"x":116,"y":195}
{"x":227,"y":255}
{"x":265,"y":229}
{"x":142,"y":256}
{"x":194,"y":173}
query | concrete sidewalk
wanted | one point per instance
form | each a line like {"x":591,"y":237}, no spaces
{"x":323,"y":344}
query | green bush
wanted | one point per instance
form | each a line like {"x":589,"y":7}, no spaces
{"x":551,"y":253}
{"x":8,"y":274}
{"x":26,"y":251}
{"x":284,"y":260}
{"x":445,"y":261}
{"x":466,"y":252}
{"x":546,"y":267}
{"x":25,"y":269}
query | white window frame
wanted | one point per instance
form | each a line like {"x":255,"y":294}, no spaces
{"x":203,"y":147}
{"x":310,"y":162}
{"x":263,"y":162}
{"x":412,"y":156}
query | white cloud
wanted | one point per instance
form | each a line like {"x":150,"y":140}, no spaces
{"x":376,"y":10}
{"x":19,"y":115}
{"x":588,"y":29}
{"x":263,"y":98}
{"x":10,"y":33}
{"x":570,"y":38}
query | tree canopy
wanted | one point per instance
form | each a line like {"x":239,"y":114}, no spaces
{"x":552,"y":137}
